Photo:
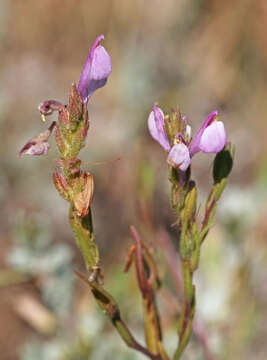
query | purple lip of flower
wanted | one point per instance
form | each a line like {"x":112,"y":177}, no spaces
{"x":96,"y":70}
{"x":156,"y":127}
{"x":211,"y":137}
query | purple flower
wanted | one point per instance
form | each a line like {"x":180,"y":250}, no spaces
{"x":156,"y":127}
{"x":179,"y":157}
{"x":96,"y":70}
{"x":38,"y":145}
{"x":211,"y":137}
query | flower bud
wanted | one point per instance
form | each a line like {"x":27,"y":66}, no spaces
{"x":190,"y":204}
{"x":75,"y":107}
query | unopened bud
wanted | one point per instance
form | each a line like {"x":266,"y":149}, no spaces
{"x":75,"y":107}
{"x":190,"y":204}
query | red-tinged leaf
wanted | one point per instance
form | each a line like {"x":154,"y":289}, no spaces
{"x":130,"y":258}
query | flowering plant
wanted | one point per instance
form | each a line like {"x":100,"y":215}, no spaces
{"x":173,"y":133}
{"x":76,"y":186}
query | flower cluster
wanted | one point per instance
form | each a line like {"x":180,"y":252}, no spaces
{"x":94,"y":75}
{"x":174,"y":135}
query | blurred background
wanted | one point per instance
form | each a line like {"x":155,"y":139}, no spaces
{"x":201,"y":55}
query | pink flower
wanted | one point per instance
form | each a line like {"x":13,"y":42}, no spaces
{"x":211,"y":137}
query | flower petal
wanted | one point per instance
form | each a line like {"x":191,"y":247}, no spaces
{"x":96,"y":70}
{"x":38,"y":149}
{"x":213,"y":138}
{"x":194,"y":147}
{"x":156,"y":127}
{"x":179,"y":157}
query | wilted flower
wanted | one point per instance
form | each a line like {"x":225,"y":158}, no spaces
{"x":96,"y":70}
{"x":48,"y":107}
{"x":38,"y":145}
{"x":211,"y":138}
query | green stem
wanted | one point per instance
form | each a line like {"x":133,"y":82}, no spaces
{"x":109,"y":305}
{"x":152,"y":328}
{"x":188,"y":310}
{"x":84,"y":236}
